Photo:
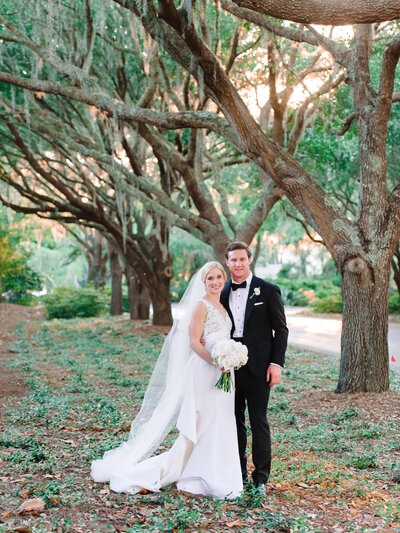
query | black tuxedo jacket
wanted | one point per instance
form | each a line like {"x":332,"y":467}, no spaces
{"x":265,"y":331}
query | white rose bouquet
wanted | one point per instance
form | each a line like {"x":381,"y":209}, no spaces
{"x":229,"y":355}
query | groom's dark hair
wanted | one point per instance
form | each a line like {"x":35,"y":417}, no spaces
{"x":237,"y":245}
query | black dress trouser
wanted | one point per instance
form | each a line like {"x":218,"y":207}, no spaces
{"x":254,"y":391}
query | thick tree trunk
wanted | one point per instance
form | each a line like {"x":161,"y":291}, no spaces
{"x":396,"y":268}
{"x":160,"y":281}
{"x":364,"y":364}
{"x":98,"y":265}
{"x":161,"y":300}
{"x":138,"y":296}
{"x":116,"y":306}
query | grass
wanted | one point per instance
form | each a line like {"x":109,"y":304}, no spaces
{"x":336,"y":457}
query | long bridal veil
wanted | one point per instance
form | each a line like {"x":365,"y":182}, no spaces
{"x":164,"y":394}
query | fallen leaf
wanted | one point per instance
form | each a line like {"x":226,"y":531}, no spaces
{"x":144,"y":512}
{"x":304,"y":485}
{"x":36,"y":504}
{"x":23,"y":530}
{"x":119,"y":515}
{"x":25,"y":493}
{"x":68,"y":441}
{"x":68,"y":429}
{"x":235,"y":523}
{"x":7,"y":514}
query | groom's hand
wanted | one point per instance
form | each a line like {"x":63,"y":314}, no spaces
{"x":273,"y":375}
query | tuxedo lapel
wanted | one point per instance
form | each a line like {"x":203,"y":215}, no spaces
{"x":250,"y":300}
{"x":224,"y":298}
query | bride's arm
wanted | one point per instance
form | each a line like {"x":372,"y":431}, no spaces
{"x":196,"y":331}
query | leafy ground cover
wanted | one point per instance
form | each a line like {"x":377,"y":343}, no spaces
{"x":336,"y":464}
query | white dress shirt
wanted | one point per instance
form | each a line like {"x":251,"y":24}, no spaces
{"x":237,"y":303}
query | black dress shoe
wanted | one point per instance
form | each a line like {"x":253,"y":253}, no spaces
{"x":260,"y":488}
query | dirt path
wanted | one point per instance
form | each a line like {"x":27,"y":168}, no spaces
{"x":12,"y":381}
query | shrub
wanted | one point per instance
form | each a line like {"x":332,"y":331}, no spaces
{"x":298,"y":292}
{"x":292,"y":295}
{"x":327,"y":287}
{"x":394,"y":303}
{"x":70,"y":302}
{"x":330,"y":301}
{"x":329,"y":304}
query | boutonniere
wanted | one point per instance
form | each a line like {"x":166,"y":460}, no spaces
{"x":256,"y":292}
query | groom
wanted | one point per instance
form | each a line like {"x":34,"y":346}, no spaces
{"x":258,"y":317}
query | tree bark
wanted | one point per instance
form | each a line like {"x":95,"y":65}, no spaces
{"x":396,"y":268}
{"x":138,"y":296}
{"x":98,"y":266}
{"x":364,"y":363}
{"x":365,"y":276}
{"x":332,"y":13}
{"x":161,"y":301}
{"x":116,"y":306}
{"x":159,"y":285}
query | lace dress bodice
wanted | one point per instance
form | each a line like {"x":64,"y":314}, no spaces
{"x":216,"y":327}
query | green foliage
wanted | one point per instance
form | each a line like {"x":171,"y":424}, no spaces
{"x":347,"y":413}
{"x":396,"y":474}
{"x":16,"y":276}
{"x":320,"y":291}
{"x":52,"y":260}
{"x":364,"y":461}
{"x":331,"y":303}
{"x":293,"y":293}
{"x":394,"y":303}
{"x":80,"y":406}
{"x":70,"y":302}
{"x":188,"y":255}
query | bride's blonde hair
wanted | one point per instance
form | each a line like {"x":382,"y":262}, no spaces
{"x":209,"y":266}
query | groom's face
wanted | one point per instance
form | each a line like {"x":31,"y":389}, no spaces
{"x":238,"y":263}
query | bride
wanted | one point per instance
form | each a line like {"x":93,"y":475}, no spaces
{"x":204,"y":459}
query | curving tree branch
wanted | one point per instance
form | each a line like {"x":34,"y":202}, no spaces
{"x":170,"y":120}
{"x":332,"y":13}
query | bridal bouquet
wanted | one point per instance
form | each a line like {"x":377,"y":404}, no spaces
{"x":229,"y":355}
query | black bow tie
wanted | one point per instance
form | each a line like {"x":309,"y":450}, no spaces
{"x":236,"y":286}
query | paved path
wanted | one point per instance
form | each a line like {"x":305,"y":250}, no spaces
{"x":320,"y":334}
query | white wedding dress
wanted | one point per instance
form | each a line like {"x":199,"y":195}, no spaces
{"x":204,"y":459}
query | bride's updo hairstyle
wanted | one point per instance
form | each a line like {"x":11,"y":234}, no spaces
{"x":209,"y":266}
